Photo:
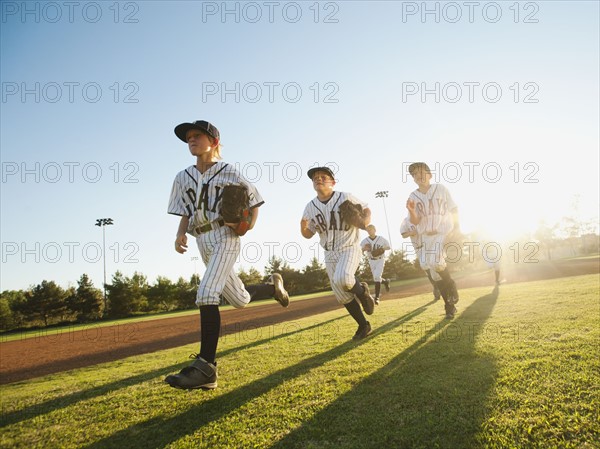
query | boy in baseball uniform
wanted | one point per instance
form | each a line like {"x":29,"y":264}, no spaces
{"x":375,"y":247}
{"x":407,"y":229}
{"x":340,"y":242}
{"x":196,"y":197}
{"x":433,"y":211}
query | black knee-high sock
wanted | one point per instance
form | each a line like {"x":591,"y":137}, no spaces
{"x":356,"y":312}
{"x":377,"y":288}
{"x":497,"y":275}
{"x":260,"y":291}
{"x":210,"y":328}
{"x":357,"y":289}
{"x":428,"y":272}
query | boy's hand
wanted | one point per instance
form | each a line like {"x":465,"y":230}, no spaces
{"x":181,"y":243}
{"x":410,"y":205}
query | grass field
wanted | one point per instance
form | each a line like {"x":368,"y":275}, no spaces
{"x":518,"y":367}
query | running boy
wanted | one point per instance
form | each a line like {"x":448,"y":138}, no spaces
{"x":340,"y":242}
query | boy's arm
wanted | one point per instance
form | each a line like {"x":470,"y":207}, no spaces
{"x":305,"y":230}
{"x":412,"y":212}
{"x":181,"y":238}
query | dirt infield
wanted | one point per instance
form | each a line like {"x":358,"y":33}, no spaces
{"x":39,"y":356}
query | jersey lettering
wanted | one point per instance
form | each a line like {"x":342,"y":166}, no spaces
{"x":321,"y":221}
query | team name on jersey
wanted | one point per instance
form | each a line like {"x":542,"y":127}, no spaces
{"x":322,"y":225}
{"x":204,"y":200}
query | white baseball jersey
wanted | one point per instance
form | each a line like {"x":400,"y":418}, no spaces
{"x":197,"y":196}
{"x":376,"y":263}
{"x":416,"y":240}
{"x":339,"y":240}
{"x":435,"y":209}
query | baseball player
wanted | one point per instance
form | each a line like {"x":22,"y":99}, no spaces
{"x":407,"y":229}
{"x":433,"y":211}
{"x":196,"y":196}
{"x":340,"y":242}
{"x":375,"y":246}
{"x":492,"y":261}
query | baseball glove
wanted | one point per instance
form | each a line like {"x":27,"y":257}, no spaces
{"x":235,"y":209}
{"x":377,"y":252}
{"x":353,"y":214}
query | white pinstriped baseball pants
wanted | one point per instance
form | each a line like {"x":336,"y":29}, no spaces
{"x":377,"y":268}
{"x":220,"y":249}
{"x":341,"y":267}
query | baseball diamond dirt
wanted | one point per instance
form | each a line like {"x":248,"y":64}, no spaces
{"x":41,"y":355}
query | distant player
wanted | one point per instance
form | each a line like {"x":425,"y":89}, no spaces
{"x":433,"y":211}
{"x":340,"y":242}
{"x":492,"y":254}
{"x":375,"y":246}
{"x":407,"y":229}
{"x":196,"y":197}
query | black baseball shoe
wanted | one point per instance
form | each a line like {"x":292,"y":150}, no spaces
{"x":200,"y":374}
{"x":386,"y":283}
{"x":376,"y":300}
{"x":281,"y":295}
{"x":363,"y":331}
{"x":450,"y":310}
{"x":366,"y":300}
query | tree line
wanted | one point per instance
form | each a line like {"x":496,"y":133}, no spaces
{"x":48,"y":304}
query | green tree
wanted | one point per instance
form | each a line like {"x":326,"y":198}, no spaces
{"x":162,"y":295}
{"x":127,"y":295}
{"x":185,"y":293}
{"x":251,"y":277}
{"x":14,"y":303}
{"x":45,"y":301}
{"x":314,"y":277}
{"x":397,"y":266}
{"x":87,"y":302}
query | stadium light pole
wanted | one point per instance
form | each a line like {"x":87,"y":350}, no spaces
{"x":195,"y":260}
{"x":103,"y":222}
{"x":383,"y":195}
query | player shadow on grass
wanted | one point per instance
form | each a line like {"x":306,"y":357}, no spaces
{"x":433,"y":394}
{"x":8,"y":418}
{"x":159,"y":432}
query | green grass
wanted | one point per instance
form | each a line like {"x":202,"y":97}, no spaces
{"x":517,"y":368}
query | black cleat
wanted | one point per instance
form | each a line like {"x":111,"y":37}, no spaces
{"x":200,"y":374}
{"x":363,"y":331}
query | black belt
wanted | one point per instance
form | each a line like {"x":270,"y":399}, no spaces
{"x":209,"y":226}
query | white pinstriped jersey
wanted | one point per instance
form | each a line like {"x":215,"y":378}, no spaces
{"x":435,"y":209}
{"x":376,"y":243}
{"x":407,"y":226}
{"x":197,"y":195}
{"x":325,"y":219}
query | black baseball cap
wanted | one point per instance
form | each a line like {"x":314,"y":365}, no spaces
{"x":201,"y":125}
{"x":327,"y":170}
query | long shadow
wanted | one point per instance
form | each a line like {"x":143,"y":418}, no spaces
{"x":64,"y":401}
{"x":433,"y":394}
{"x":158,"y":432}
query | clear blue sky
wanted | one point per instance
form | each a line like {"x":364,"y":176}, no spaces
{"x":91,"y":94}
